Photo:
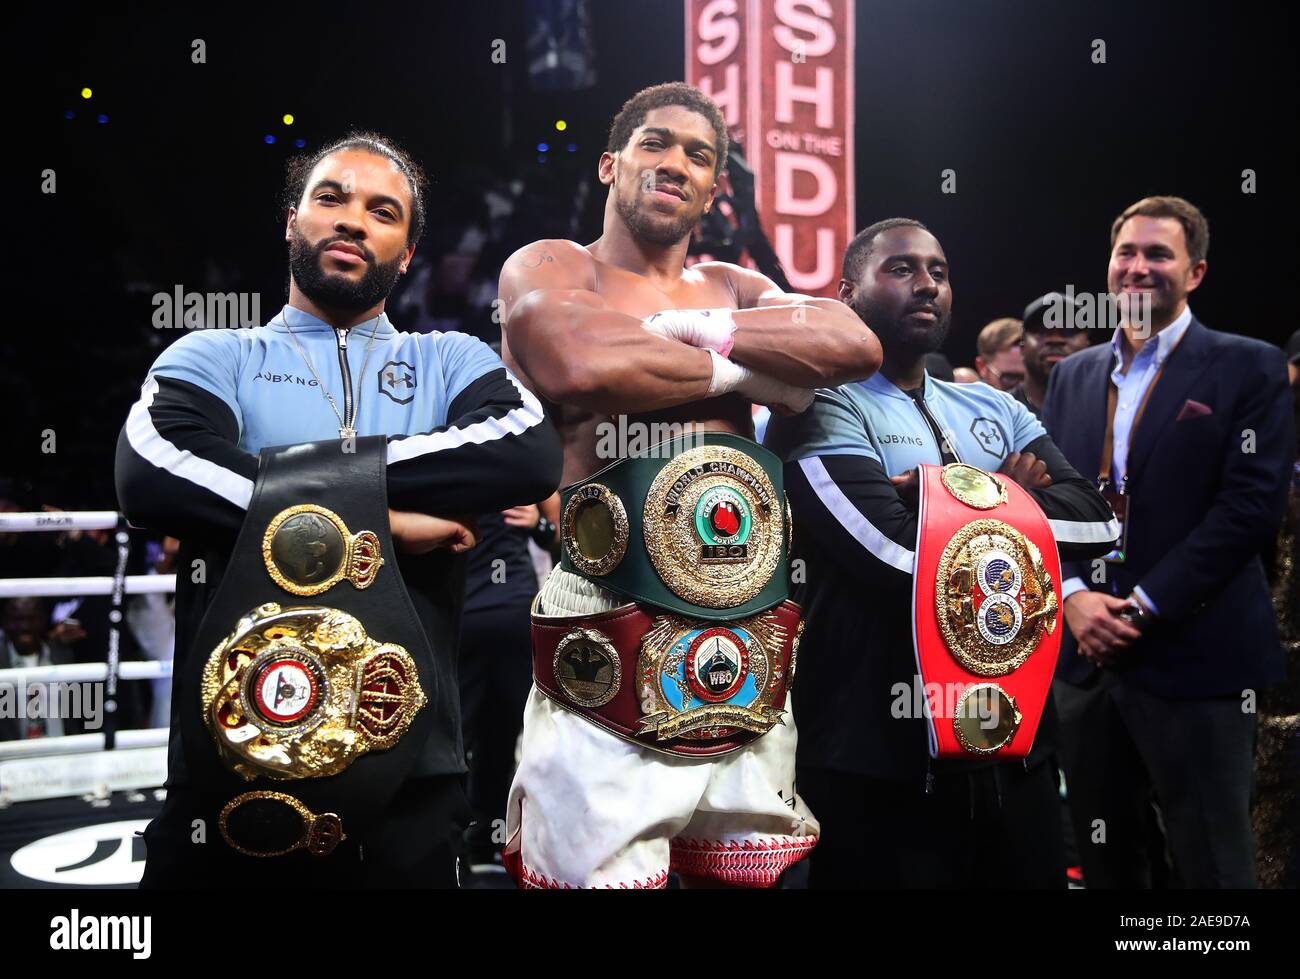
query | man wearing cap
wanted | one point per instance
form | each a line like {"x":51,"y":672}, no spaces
{"x":1050,"y":335}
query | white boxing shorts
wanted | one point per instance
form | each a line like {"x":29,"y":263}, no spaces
{"x":589,"y":809}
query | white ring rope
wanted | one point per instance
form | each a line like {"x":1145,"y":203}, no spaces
{"x":82,"y":672}
{"x":75,"y":744}
{"x":58,"y":520}
{"x":136,"y":584}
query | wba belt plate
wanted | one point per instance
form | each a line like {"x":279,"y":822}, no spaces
{"x":985,"y":611}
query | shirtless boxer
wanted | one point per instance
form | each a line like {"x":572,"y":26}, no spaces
{"x":602,"y":797}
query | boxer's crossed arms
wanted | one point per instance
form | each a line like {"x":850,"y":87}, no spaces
{"x":585,"y":333}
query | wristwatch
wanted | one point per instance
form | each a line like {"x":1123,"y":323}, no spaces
{"x":1136,"y":614}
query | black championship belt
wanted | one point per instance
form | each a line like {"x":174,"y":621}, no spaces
{"x":304,"y":700}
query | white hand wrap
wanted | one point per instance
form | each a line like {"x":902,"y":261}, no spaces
{"x":758,"y":388}
{"x":709,"y":329}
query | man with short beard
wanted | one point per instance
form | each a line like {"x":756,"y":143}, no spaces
{"x":450,"y":432}
{"x":657,"y":737}
{"x":890,"y":815}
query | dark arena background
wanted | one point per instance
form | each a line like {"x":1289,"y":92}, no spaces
{"x":151,"y":169}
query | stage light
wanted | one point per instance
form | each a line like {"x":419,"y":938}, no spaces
{"x":561,"y":125}
{"x":288,"y":119}
{"x":543,"y":148}
{"x":541,"y":157}
{"x":572,"y":147}
{"x":300,"y":143}
{"x":86,"y":93}
{"x":69,"y":114}
{"x":268,"y":139}
{"x":102,"y":118}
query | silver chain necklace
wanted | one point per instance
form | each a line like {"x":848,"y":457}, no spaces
{"x":346,"y":431}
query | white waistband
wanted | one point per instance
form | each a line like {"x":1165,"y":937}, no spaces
{"x":565,"y":593}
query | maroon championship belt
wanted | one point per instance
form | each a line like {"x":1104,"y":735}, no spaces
{"x":985,"y":608}
{"x":681,"y":685}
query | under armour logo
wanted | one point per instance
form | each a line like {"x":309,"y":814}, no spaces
{"x":991,"y":437}
{"x":397,"y":381}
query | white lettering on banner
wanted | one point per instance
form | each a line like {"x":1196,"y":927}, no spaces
{"x":787,"y":164}
{"x":781,"y":72}
{"x":805,"y":280}
{"x":718,"y":23}
{"x":821,"y":95}
{"x":728,"y":98}
{"x":815,"y":23}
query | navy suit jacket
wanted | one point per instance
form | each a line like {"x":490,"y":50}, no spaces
{"x":1207,"y":491}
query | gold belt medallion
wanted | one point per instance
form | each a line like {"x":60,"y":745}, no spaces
{"x":309,"y":549}
{"x":714,"y":526}
{"x":595,"y":529}
{"x":972,"y":486}
{"x":994,"y":597}
{"x":706,"y":680}
{"x":303,"y":692}
{"x":587,"y":668}
{"x":318,"y":835}
{"x":986,"y":718}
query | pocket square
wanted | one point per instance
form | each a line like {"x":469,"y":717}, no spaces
{"x":1193,"y":409}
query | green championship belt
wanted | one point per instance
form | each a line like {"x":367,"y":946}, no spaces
{"x":698,"y":525}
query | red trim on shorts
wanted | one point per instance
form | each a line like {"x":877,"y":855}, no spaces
{"x":744,"y":863}
{"x":530,"y":880}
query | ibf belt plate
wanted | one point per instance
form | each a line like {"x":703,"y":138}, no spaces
{"x":714,"y":526}
{"x":303,"y":692}
{"x":994,"y":597}
{"x":706,"y":680}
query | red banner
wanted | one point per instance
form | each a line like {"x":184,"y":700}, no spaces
{"x":782,"y":73}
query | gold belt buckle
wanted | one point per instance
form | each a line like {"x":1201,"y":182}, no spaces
{"x":308,"y":549}
{"x":714,"y":526}
{"x":303,"y":692}
{"x":708,"y":680}
{"x":319,"y":836}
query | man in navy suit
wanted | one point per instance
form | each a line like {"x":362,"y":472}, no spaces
{"x":1173,"y":634}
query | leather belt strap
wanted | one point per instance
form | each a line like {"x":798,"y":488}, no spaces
{"x":986,"y":615}
{"x":349,"y":578}
{"x":697,"y":525}
{"x":607,"y":667}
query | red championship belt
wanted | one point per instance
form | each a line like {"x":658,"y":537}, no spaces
{"x":684,"y":686}
{"x":984,"y":611}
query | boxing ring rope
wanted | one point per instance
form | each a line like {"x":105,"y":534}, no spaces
{"x":80,"y":672}
{"x":135,"y":584}
{"x":42,"y":520}
{"x":79,"y":764}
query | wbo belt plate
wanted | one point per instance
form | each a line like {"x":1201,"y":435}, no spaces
{"x":303,"y":692}
{"x":707,"y":680}
{"x":308,"y":549}
{"x":714,"y":526}
{"x":994,"y":598}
